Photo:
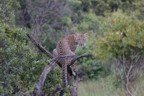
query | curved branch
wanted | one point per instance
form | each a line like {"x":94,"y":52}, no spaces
{"x":79,"y":57}
{"x":39,"y":84}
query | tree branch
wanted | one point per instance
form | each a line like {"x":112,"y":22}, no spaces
{"x":40,"y":47}
{"x":39,"y":84}
{"x":79,"y":57}
{"x":128,"y":81}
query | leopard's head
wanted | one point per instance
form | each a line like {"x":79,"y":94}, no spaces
{"x":80,"y":38}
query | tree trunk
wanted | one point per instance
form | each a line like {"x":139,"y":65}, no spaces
{"x":73,"y":82}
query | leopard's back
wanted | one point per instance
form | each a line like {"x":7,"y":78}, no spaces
{"x":68,"y":44}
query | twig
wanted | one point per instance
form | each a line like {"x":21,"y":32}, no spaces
{"x":127,"y":81}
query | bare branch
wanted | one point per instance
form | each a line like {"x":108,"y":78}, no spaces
{"x":40,"y":82}
{"x":47,"y":69}
{"x":79,"y":57}
{"x":128,"y":81}
{"x":40,"y":47}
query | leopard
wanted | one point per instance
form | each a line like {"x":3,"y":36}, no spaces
{"x":67,"y":46}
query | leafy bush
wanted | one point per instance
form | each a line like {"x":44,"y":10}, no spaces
{"x":19,"y":65}
{"x":91,"y":67}
{"x":8,"y":10}
{"x":123,"y":36}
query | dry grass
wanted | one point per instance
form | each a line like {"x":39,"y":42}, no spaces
{"x":105,"y":87}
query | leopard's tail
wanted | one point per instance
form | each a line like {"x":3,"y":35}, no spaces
{"x":64,"y":75}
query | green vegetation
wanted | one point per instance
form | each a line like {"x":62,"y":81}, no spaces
{"x":20,"y":66}
{"x":123,"y":35}
{"x":116,"y":39}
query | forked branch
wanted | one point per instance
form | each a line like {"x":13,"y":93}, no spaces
{"x":39,"y":84}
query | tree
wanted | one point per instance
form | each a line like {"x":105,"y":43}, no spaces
{"x":8,"y":9}
{"x":123,"y":41}
{"x":46,"y":12}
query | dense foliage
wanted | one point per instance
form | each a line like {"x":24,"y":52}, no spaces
{"x":123,"y":35}
{"x":20,"y":66}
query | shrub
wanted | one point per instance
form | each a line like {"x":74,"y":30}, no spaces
{"x":20,"y":66}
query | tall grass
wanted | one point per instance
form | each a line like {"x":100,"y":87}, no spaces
{"x":105,"y":87}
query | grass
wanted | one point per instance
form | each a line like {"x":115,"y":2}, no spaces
{"x":105,"y":87}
